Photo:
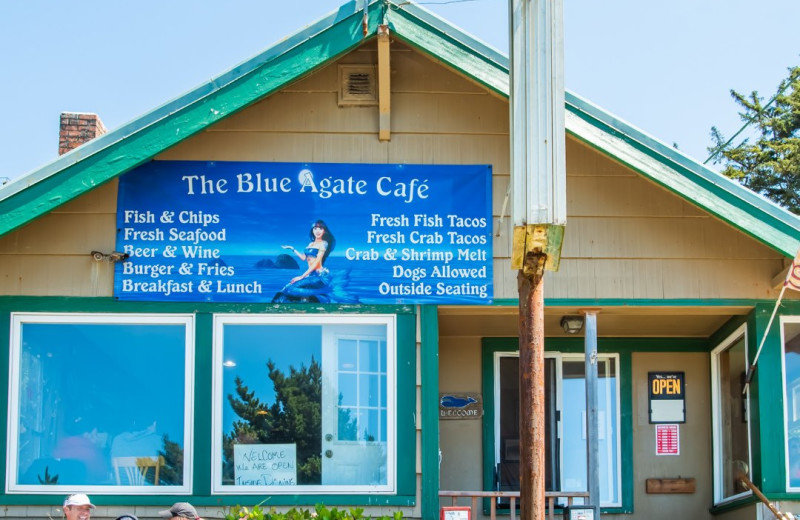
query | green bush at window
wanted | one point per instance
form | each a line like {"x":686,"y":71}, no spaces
{"x":320,"y":512}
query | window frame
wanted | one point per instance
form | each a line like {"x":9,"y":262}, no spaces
{"x":393,"y":436}
{"x":786,"y":462}
{"x":716,"y":426}
{"x":18,"y":319}
{"x":560,"y":357}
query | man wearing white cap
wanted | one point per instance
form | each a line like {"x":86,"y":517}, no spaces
{"x":77,"y":507}
{"x":180,"y":511}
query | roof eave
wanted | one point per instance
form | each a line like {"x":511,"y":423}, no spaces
{"x":300,"y":54}
{"x":716,"y":194}
{"x":722,"y":197}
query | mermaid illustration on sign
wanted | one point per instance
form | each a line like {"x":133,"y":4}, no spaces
{"x":317,"y":283}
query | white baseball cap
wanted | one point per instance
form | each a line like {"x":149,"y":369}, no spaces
{"x":78,"y":499}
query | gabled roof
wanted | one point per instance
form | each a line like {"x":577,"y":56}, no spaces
{"x":126,"y":147}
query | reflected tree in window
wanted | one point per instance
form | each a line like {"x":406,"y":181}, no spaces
{"x":172,"y":472}
{"x":294,"y":417}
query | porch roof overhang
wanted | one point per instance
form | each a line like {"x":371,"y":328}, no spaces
{"x":615,"y":319}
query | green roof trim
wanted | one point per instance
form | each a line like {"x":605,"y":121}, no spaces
{"x":116,"y":152}
{"x":744,"y":209}
{"x":434,"y":36}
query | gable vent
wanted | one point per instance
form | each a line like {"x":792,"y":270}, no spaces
{"x":357,"y":85}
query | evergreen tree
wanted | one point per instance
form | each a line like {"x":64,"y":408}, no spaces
{"x":294,"y":417}
{"x":770,"y":165}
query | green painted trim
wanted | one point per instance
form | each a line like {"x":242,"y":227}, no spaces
{"x":448,"y":45}
{"x":724,"y":198}
{"x":668,"y":154}
{"x":555,"y":240}
{"x":442,"y":27}
{"x":650,"y":302}
{"x":203,"y":365}
{"x":223,"y":501}
{"x":734,"y":505}
{"x":634,"y":302}
{"x":713,"y":342}
{"x":505,"y":302}
{"x":89,"y":304}
{"x":122,"y":149}
{"x":609,"y":345}
{"x":490,"y":346}
{"x":626,"y":435}
{"x":639,"y":302}
{"x":429,"y":356}
{"x":266,"y":308}
{"x":767,"y":402}
{"x":488,"y":350}
{"x":183,"y":100}
{"x":729,"y":328}
{"x":5,"y":372}
{"x":130,"y":146}
{"x":487,"y":392}
{"x":203,"y":400}
{"x":767,"y":434}
{"x":406,"y":405}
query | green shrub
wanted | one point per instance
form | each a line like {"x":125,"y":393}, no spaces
{"x":320,"y":512}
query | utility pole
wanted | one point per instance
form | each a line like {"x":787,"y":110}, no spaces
{"x":538,"y":179}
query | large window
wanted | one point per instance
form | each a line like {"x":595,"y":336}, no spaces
{"x":304,"y":403}
{"x":790,"y":328}
{"x":730,"y":416}
{"x":101,"y":403}
{"x":565,"y":424}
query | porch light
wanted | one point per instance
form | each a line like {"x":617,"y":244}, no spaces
{"x":572,"y":324}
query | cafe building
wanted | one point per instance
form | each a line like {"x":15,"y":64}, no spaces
{"x":293,"y":285}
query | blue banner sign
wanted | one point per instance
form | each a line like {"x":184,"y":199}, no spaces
{"x":305,"y":232}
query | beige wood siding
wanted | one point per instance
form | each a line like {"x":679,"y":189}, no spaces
{"x":694,"y":460}
{"x":625,"y":236}
{"x":460,"y":372}
{"x":51,"y":255}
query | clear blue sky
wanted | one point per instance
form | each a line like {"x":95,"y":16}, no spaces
{"x":665,"y":67}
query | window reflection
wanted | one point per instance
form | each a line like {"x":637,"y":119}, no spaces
{"x":565,"y":456}
{"x":91,"y":410}
{"x":315,"y":390}
{"x":730,"y":415}
{"x":791,"y":349}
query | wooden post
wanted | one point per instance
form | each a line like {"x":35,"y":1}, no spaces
{"x":530,"y":282}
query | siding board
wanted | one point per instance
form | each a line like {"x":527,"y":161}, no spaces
{"x":626,"y":237}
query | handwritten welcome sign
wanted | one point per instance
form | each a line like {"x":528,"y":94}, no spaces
{"x":265,"y":464}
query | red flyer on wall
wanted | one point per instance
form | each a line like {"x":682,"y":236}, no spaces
{"x":668,"y":439}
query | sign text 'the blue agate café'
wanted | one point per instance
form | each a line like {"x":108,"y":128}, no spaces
{"x":305,"y":232}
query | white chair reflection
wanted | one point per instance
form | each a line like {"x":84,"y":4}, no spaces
{"x":135,"y":470}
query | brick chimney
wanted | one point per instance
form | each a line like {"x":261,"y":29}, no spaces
{"x":76,"y":129}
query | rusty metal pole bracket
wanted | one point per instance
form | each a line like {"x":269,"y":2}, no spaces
{"x":533,"y":264}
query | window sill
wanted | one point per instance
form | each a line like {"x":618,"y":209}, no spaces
{"x":733,"y":505}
